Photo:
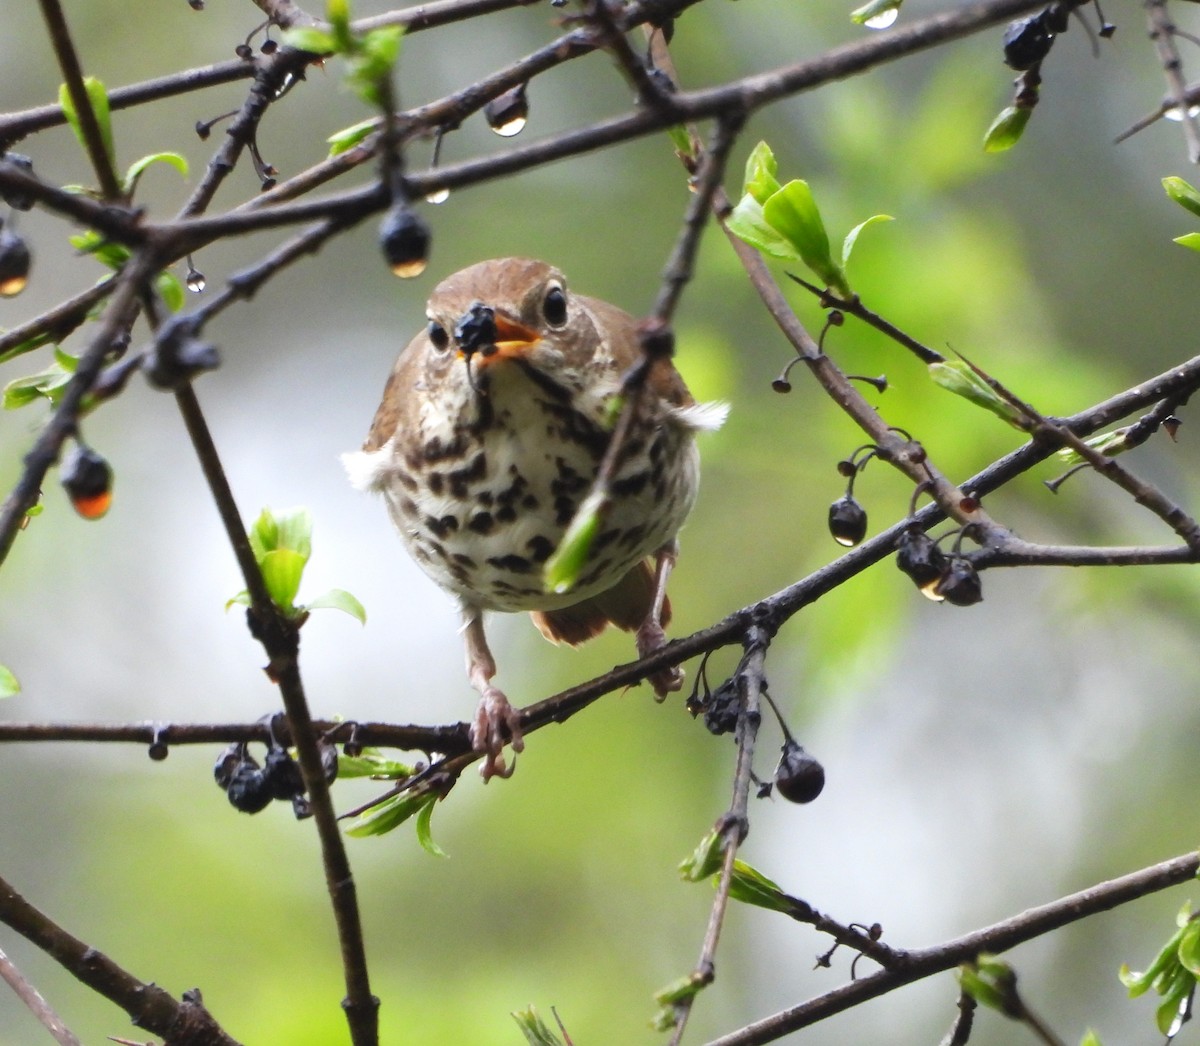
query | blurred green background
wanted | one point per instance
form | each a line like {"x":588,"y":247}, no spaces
{"x":979,"y":761}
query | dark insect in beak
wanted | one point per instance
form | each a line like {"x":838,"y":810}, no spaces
{"x":476,"y":331}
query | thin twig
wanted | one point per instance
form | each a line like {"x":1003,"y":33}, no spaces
{"x":994,"y":939}
{"x":148,"y":1006}
{"x":68,"y":62}
{"x":280,"y":639}
{"x":1162,"y":32}
{"x":751,"y":682}
{"x":36,"y":1003}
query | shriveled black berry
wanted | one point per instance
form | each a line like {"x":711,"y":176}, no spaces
{"x":960,"y":583}
{"x":1028,"y":41}
{"x":722,"y":708}
{"x":227,"y":762}
{"x":920,"y":558}
{"x":248,"y":789}
{"x":282,"y":774}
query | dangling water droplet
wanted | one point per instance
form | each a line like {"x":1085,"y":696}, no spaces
{"x":1174,"y":113}
{"x":930,"y":591}
{"x":404,"y":238}
{"x":15,"y":261}
{"x":437,"y":196}
{"x":509,"y":113}
{"x":407,"y":270}
{"x":884,"y":19}
{"x":511,"y":127}
{"x":195,"y":281}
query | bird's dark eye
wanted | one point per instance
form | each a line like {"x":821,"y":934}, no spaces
{"x":438,"y":335}
{"x":554,"y":306}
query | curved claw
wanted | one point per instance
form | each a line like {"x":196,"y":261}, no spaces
{"x":496,"y":721}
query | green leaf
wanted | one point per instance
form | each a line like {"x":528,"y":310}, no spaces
{"x":1090,"y":1038}
{"x":958,"y":377}
{"x":679,"y":990}
{"x":309,"y":38}
{"x":425,"y":832}
{"x":282,"y":569}
{"x":339,"y":599}
{"x":566,"y":563}
{"x":35,"y":341}
{"x":48,"y":383}
{"x":746,"y":222}
{"x":760,"y":180}
{"x":242,"y":599}
{"x":1191,"y":240}
{"x":98,"y":98}
{"x":990,"y":983}
{"x":878,"y":14}
{"x":114,"y":255}
{"x":290,"y":529}
{"x":372,"y":763}
{"x":1183,"y":194}
{"x":372,"y":60}
{"x":349,"y":137}
{"x":8,"y":683}
{"x":750,"y":886}
{"x":534,"y":1028}
{"x":704,"y":861}
{"x":1189,"y":949}
{"x":1110,"y":443}
{"x":680,"y":139}
{"x":793,"y":213}
{"x":1006,"y":129}
{"x":138,"y":166}
{"x":387,"y":815}
{"x":170,"y":289}
{"x":852,"y":235}
{"x":337,"y":14}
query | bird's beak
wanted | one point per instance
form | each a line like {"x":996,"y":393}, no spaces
{"x":483,"y":334}
{"x":512,"y":339}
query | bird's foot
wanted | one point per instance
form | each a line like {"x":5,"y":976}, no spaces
{"x":651,"y":637}
{"x":496,"y":721}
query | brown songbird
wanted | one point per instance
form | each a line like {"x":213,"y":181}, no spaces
{"x":492,"y":426}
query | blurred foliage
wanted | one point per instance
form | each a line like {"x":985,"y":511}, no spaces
{"x":561,"y":888}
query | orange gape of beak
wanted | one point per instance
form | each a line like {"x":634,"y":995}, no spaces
{"x":512,"y":339}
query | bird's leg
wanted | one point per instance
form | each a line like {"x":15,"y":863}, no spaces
{"x":650,"y":634}
{"x":495,"y":717}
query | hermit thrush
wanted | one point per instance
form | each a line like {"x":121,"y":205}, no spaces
{"x":492,"y":426}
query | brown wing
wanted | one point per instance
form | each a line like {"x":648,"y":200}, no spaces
{"x":397,"y":407}
{"x":625,"y":347}
{"x":625,"y":605}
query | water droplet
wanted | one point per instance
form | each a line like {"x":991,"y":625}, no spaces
{"x":930,"y":591}
{"x":508,"y":113}
{"x":1174,"y":113}
{"x":437,"y":196}
{"x":13,"y":286}
{"x":883,"y":19}
{"x":407,"y":270}
{"x":514,"y":126}
{"x":195,"y":281}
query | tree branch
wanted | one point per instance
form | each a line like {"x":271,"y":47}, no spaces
{"x":999,"y":937}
